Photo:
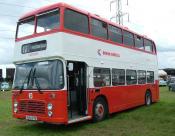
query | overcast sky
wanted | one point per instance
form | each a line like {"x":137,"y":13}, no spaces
{"x":154,"y":18}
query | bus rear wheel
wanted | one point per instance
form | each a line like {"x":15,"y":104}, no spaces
{"x":148,"y":98}
{"x":100,"y":109}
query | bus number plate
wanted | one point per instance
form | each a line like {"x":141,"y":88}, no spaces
{"x":32,"y":118}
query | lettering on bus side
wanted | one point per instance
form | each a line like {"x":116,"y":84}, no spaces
{"x":101,"y":52}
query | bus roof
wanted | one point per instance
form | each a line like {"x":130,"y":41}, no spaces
{"x":62,"y":4}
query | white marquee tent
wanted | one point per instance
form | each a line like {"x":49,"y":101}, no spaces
{"x":162,"y":73}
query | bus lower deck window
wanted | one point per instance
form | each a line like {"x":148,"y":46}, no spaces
{"x":118,"y":77}
{"x":141,"y":77}
{"x":150,"y":77}
{"x":102,"y":77}
{"x":131,"y":77}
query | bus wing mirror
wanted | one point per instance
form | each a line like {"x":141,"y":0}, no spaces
{"x":70,"y":66}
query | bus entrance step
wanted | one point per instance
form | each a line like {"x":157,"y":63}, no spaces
{"x":79,"y":119}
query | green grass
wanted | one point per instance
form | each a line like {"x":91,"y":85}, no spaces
{"x":156,"y":120}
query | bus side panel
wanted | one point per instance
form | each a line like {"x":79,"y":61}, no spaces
{"x":116,"y":98}
{"x":136,"y":95}
{"x":123,"y":97}
{"x":91,"y":98}
{"x":155,"y":91}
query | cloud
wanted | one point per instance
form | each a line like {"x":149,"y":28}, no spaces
{"x":167,"y":57}
{"x":163,"y":49}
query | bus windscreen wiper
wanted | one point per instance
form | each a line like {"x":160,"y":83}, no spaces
{"x":36,"y":81}
{"x":26,"y":78}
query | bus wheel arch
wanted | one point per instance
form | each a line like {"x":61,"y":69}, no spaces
{"x":148,"y":97}
{"x":100,"y":108}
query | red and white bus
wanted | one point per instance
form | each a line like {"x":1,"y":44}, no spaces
{"x":72,"y":66}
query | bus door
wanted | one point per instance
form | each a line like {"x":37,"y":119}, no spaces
{"x":77,"y":89}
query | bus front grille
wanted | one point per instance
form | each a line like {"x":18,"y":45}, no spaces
{"x":36,"y":107}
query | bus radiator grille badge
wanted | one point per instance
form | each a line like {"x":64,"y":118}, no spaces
{"x":30,"y":96}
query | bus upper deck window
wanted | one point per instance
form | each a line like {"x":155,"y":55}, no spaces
{"x":115,"y":34}
{"x":99,"y":28}
{"x":76,"y":21}
{"x":48,"y":21}
{"x":26,"y":27}
{"x":138,"y":42}
{"x":148,"y":45}
{"x":128,"y":38}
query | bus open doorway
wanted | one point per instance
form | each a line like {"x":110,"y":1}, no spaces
{"x":77,"y":90}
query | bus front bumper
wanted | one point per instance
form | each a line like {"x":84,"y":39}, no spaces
{"x":37,"y":118}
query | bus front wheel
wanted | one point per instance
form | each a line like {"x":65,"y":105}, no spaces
{"x":100,"y":109}
{"x":148,"y":98}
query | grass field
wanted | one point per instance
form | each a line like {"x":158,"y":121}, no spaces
{"x":156,"y":120}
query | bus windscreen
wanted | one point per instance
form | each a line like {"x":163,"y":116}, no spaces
{"x":48,"y":74}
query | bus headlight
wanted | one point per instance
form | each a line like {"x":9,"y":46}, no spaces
{"x":50,"y":114}
{"x":15,"y":109}
{"x":49,"y":106}
{"x":15,"y":104}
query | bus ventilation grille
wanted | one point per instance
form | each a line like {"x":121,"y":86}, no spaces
{"x":36,"y":107}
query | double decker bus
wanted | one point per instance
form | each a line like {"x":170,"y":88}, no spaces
{"x":72,"y":66}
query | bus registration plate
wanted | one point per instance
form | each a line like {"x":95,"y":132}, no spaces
{"x":32,"y":118}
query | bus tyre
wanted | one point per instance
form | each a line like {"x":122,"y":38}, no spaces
{"x":148,"y":98}
{"x":100,"y":109}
